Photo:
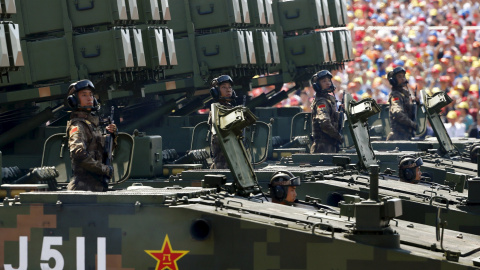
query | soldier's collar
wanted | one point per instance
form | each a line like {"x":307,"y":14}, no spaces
{"x":79,"y":114}
{"x":323,"y":95}
{"x":225,"y":103}
{"x":87,"y":116}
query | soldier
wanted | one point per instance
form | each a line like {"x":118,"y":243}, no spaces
{"x":282,"y":187}
{"x":85,"y":139}
{"x":409,"y":169}
{"x":325,"y":117}
{"x":222,"y":92}
{"x":401,"y":109}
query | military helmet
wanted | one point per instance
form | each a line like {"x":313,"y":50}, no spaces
{"x":74,"y":88}
{"x":224,"y":78}
{"x":406,"y":167}
{"x":80,"y":85}
{"x":391,"y":75}
{"x":316,"y":79}
{"x":279,"y":184}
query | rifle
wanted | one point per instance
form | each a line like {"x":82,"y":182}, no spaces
{"x":341,"y":112}
{"x":108,"y":149}
{"x":414,"y":107}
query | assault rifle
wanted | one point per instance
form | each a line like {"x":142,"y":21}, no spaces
{"x":341,"y":118}
{"x":108,"y":149}
{"x":414,"y":108}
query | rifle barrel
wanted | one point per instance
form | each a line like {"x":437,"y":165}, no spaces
{"x":108,"y":147}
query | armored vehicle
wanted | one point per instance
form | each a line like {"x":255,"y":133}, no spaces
{"x":185,"y":228}
{"x":441,"y":188}
{"x":191,"y":227}
{"x":340,"y":180}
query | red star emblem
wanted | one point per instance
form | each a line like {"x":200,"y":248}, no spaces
{"x":167,"y":258}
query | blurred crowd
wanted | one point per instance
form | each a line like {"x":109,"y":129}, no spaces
{"x":436,"y":41}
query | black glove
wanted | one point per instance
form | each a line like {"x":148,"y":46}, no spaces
{"x":339,"y":138}
{"x":414,"y":126}
{"x":108,"y":170}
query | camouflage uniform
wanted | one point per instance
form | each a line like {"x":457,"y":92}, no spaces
{"x":325,"y":124}
{"x":86,"y":144}
{"x":401,"y":115}
{"x":218,"y":157}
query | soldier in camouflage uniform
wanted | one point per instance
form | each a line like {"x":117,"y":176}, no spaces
{"x":85,"y":139}
{"x":325,"y":117}
{"x":222,"y":92}
{"x":401,"y":108}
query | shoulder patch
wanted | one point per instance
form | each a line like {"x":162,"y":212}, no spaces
{"x":73,"y":130}
{"x":396,"y":99}
{"x":321,"y":106}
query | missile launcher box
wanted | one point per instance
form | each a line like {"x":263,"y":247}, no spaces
{"x":309,"y":49}
{"x":304,"y":14}
{"x":79,"y":13}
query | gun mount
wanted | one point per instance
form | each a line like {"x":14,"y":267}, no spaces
{"x":434,"y":104}
{"x":228,"y":124}
{"x":358,"y":114}
{"x":373,"y":217}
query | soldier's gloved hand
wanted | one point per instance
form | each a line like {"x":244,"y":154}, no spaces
{"x":339,"y":137}
{"x":414,"y":126}
{"x":107,"y":170}
{"x":110,"y":171}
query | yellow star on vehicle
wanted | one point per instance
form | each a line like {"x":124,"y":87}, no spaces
{"x":167,"y":258}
